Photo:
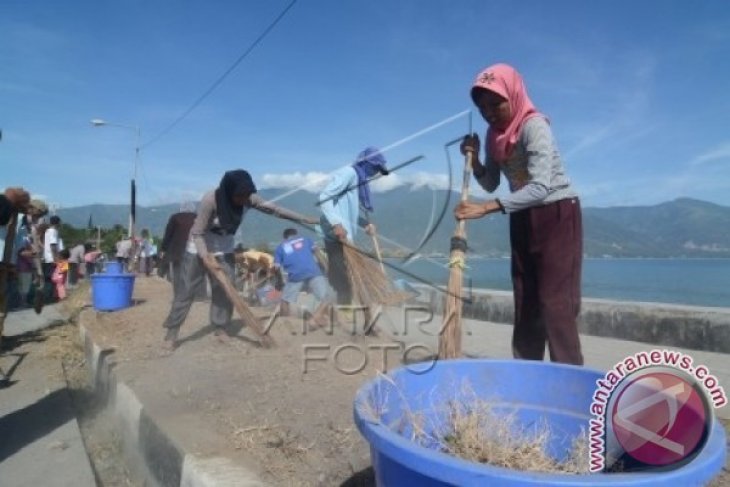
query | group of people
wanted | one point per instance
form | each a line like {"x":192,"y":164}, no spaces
{"x":138,"y":254}
{"x":38,"y":266}
{"x":545,"y":224}
{"x":544,"y":211}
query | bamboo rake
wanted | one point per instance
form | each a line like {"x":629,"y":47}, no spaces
{"x":450,"y":337}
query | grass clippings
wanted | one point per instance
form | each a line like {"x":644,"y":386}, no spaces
{"x":474,"y":430}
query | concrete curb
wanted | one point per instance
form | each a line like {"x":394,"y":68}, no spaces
{"x":165,"y":462}
{"x":693,"y":327}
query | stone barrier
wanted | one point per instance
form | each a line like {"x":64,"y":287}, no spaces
{"x":693,"y":327}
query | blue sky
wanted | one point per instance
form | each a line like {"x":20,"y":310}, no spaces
{"x":637,"y":92}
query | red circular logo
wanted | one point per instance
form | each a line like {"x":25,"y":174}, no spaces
{"x":660,"y":418}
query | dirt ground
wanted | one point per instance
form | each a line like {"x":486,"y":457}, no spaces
{"x":288,"y":421}
{"x":257,"y":406}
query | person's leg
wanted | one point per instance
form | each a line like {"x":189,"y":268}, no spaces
{"x":191,"y":273}
{"x":559,"y":237}
{"x":221,"y":308}
{"x":325,"y":296}
{"x":289,"y":296}
{"x":25,"y":280}
{"x":528,"y":335}
{"x":337,"y":271}
{"x":177,"y":279}
{"x":49,"y":287}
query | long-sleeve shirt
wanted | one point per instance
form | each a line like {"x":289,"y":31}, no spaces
{"x":534,"y":170}
{"x":204,"y":241}
{"x":340,"y":203}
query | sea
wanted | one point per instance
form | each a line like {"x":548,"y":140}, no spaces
{"x":698,"y":282}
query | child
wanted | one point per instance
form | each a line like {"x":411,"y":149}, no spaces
{"x":545,"y":217}
{"x":59,"y":274}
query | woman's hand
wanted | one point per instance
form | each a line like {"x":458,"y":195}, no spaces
{"x":370,"y":229}
{"x":467,"y":210}
{"x":470,"y":144}
{"x":340,"y":232}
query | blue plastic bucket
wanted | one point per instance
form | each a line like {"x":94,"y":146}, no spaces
{"x":533,"y":391}
{"x":112,"y":292}
{"x":113,"y":268}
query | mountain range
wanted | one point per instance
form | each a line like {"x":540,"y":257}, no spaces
{"x":405,"y":217}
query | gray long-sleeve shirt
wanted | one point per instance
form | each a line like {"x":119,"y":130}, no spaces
{"x":203,"y":241}
{"x":534,"y":170}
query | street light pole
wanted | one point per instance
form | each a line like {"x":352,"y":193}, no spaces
{"x":133,"y":187}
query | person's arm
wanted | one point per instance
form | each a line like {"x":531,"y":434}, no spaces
{"x":363,"y":219}
{"x":258,"y":203}
{"x":488,"y":174}
{"x":336,"y":188}
{"x":278,"y":257}
{"x":200,"y":226}
{"x":540,"y":149}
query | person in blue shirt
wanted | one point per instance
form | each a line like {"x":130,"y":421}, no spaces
{"x":345,"y":203}
{"x":296,"y":256}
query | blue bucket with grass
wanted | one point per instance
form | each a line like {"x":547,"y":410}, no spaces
{"x":113,"y":268}
{"x":112,"y":292}
{"x":556,"y":395}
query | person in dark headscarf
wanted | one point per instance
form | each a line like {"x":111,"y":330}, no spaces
{"x":211,"y":238}
{"x":345,"y":203}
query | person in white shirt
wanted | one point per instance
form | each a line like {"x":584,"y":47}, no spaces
{"x":52,"y":245}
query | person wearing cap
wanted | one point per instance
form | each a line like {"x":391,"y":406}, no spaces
{"x":345,"y":204}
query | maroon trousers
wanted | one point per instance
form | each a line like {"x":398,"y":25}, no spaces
{"x":547,"y":253}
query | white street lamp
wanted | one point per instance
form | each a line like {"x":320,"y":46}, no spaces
{"x":97,"y":122}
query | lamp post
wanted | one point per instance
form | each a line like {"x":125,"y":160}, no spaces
{"x":97,"y":122}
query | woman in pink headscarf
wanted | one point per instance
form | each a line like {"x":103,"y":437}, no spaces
{"x":545,"y":218}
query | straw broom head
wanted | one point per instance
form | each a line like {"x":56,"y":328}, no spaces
{"x":370,"y":285}
{"x":450,"y":338}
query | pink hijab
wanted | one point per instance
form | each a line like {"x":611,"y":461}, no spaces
{"x":506,"y":82}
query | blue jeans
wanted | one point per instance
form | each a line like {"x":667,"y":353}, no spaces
{"x":317,"y":285}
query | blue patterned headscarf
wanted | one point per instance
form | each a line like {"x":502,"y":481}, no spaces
{"x":369,"y":162}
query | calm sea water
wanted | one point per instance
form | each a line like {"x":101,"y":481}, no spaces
{"x":702,"y":282}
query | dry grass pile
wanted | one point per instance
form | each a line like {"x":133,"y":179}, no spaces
{"x":370,"y":285}
{"x":472,"y":429}
{"x":477,"y":433}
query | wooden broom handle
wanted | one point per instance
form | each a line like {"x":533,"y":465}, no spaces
{"x":377,"y":252}
{"x":461,"y":227}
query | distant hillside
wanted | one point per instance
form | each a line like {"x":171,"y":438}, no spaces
{"x":679,"y":228}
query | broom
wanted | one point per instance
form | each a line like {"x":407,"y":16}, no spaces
{"x":450,"y":337}
{"x":370,"y":285}
{"x":376,"y":245}
{"x":249,"y":319}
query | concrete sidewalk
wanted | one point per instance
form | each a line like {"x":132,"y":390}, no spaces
{"x":486,"y":339}
{"x":40,"y":440}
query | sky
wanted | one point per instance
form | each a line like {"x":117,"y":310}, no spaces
{"x":637,"y":93}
